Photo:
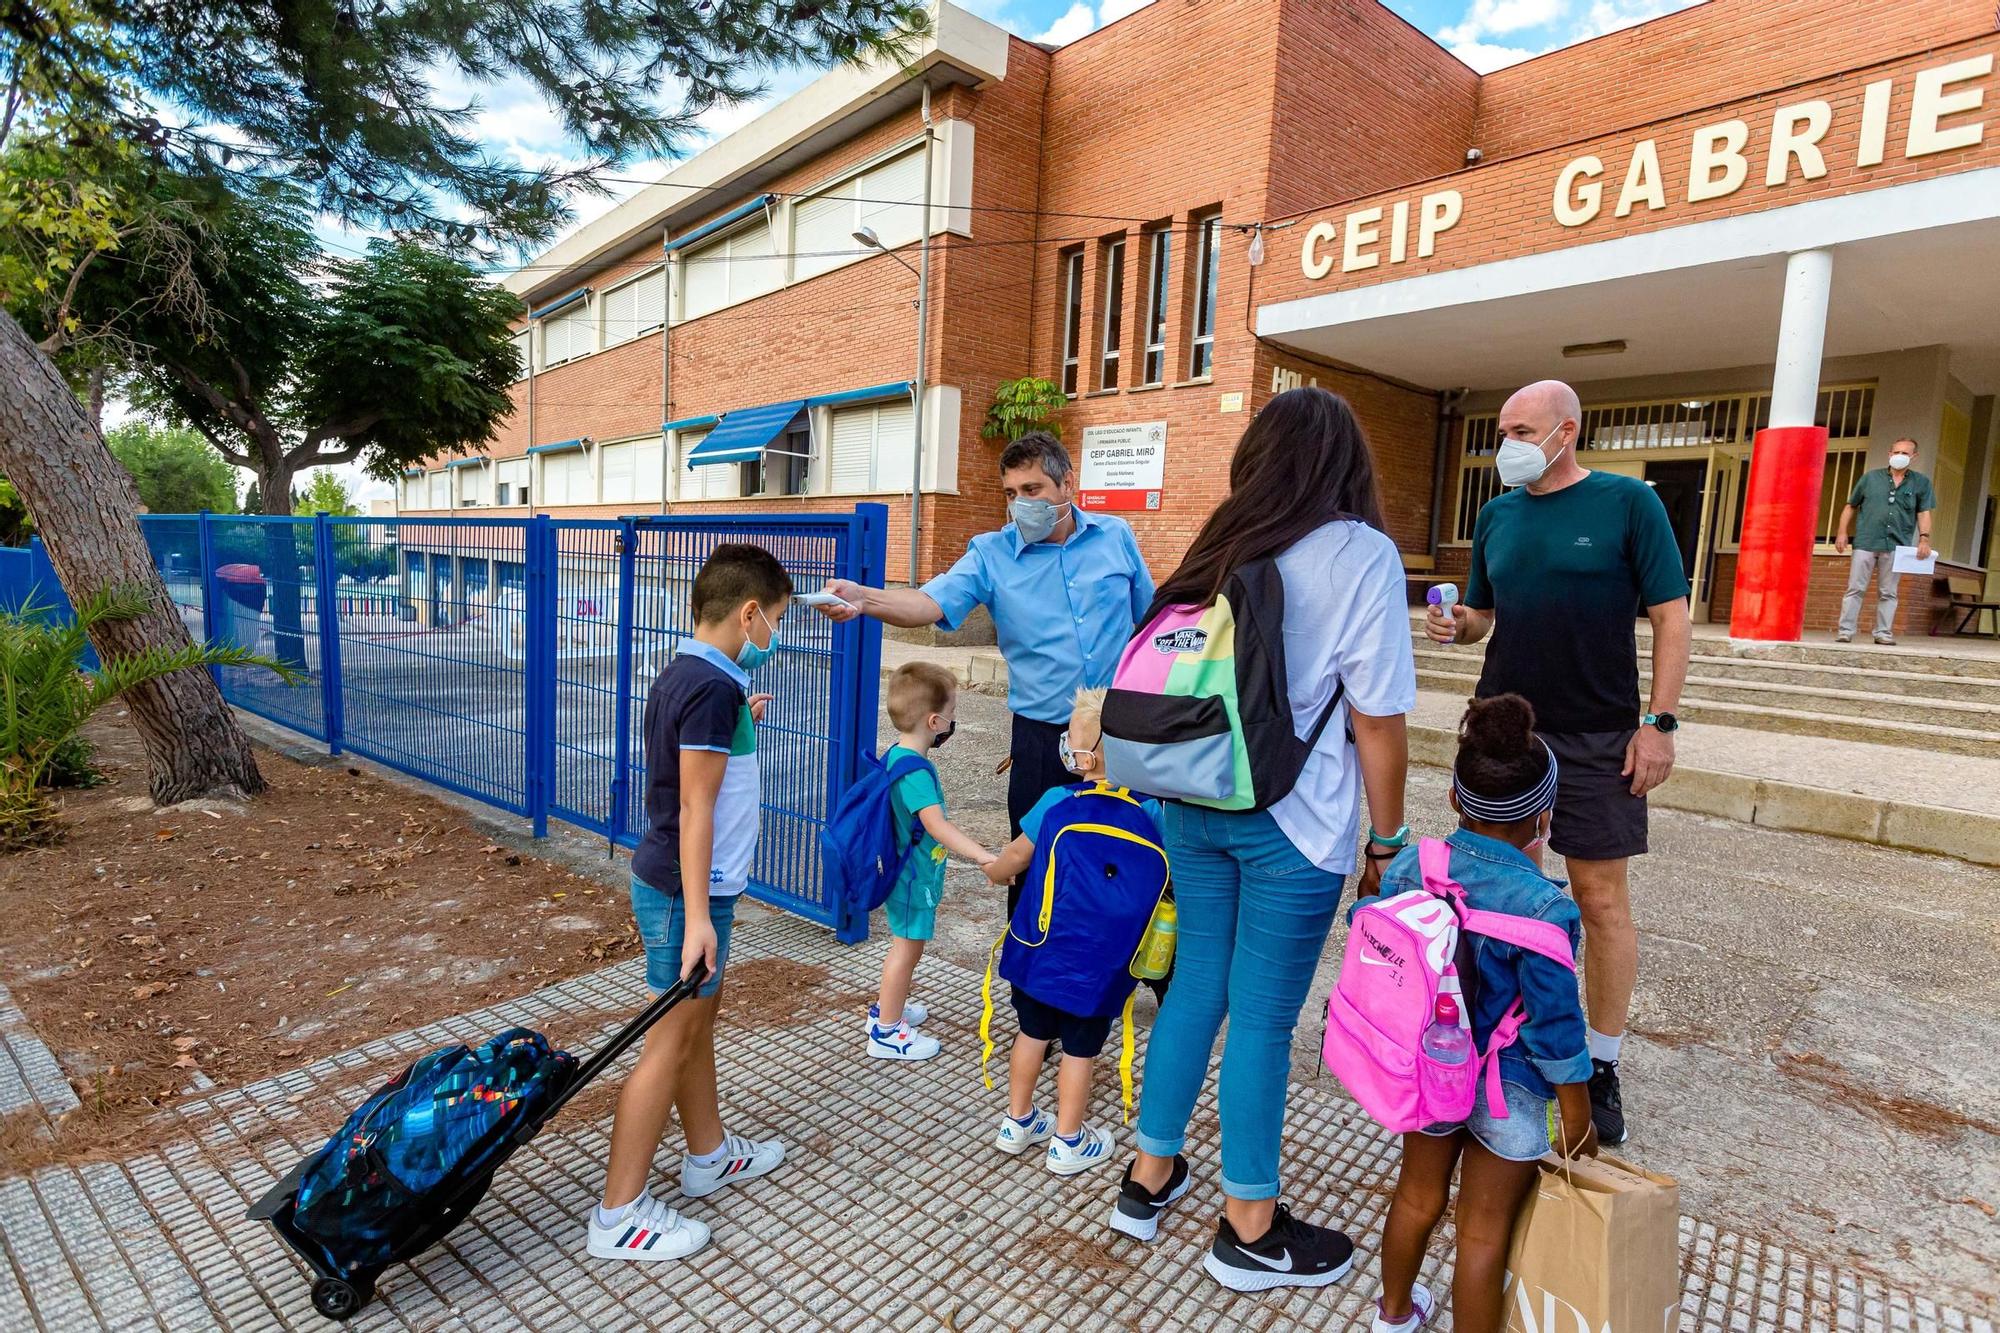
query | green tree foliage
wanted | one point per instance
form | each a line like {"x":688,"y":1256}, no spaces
{"x":326,"y":493}
{"x":1019,"y":406}
{"x":15,"y":525}
{"x":49,"y":697}
{"x":175,"y":470}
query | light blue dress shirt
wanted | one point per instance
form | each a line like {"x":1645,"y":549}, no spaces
{"x":1063,"y":613}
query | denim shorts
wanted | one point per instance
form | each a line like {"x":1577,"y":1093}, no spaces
{"x":662,"y":922}
{"x":1522,"y":1137}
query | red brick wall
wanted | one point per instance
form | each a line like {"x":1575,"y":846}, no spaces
{"x":1508,"y":205}
{"x":1709,"y":53}
{"x":1364,"y":102}
{"x":1917,"y":601}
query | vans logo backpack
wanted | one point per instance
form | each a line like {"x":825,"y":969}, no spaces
{"x":1181,"y":641}
{"x":1402,"y":952}
{"x":1198,"y":708}
{"x":1097,"y":877}
{"x":862,"y":850}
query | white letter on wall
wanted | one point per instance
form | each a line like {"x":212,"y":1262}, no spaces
{"x":1717,"y":166}
{"x":1577,"y":204}
{"x":1362,"y":229}
{"x":1642,"y":179}
{"x":1438,"y":214}
{"x":1789,"y":140}
{"x":1930,"y":104}
{"x":1874,"y":123}
{"x":1311,"y":261}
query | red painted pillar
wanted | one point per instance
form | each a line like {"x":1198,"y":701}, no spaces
{"x":1780,"y":523}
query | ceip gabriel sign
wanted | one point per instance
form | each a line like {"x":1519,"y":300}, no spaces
{"x":1943,"y":103}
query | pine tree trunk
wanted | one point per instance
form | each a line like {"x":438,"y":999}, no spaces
{"x":84,"y":505}
{"x":97,"y":397}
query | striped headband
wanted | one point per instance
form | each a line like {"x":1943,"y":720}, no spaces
{"x":1510,"y":809}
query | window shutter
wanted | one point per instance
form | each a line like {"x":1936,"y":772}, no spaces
{"x":894,"y":195}
{"x":524,"y":345}
{"x":851,"y":459}
{"x":617,"y":478}
{"x":440,"y":491}
{"x":895,"y":438}
{"x":753,"y":268}
{"x":704,"y":279}
{"x":649,"y":301}
{"x":621,"y":310}
{"x":822,"y":232}
{"x":646,"y":458}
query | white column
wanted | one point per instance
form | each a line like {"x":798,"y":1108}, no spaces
{"x":1801,"y":337}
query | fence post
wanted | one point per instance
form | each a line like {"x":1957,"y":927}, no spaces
{"x":211,"y":611}
{"x":538,"y":739}
{"x":857,"y":689}
{"x":326,"y":618}
{"x":621,"y":772}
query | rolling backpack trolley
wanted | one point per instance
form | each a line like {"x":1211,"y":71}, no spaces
{"x":417,"y":1157}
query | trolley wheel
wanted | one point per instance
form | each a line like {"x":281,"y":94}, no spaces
{"x":341,"y":1300}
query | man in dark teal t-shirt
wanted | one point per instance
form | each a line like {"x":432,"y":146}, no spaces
{"x":1562,"y":565}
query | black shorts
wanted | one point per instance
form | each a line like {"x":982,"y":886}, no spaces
{"x":1081,"y":1037}
{"x":1597,"y":817}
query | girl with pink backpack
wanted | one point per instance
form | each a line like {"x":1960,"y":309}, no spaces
{"x":1497,"y":1072}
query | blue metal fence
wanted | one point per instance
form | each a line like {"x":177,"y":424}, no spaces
{"x":508,"y":660}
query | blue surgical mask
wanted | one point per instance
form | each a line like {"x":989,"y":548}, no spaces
{"x":750,"y":656}
{"x":1035,"y":519}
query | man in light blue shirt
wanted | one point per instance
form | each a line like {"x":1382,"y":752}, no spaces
{"x":1066,"y":589}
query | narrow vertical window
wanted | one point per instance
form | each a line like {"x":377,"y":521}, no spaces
{"x":1208,"y":266}
{"x":1158,"y":256}
{"x":1114,"y":313}
{"x":1072,"y":319}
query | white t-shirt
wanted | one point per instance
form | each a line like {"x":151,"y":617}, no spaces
{"x":1347,"y":620}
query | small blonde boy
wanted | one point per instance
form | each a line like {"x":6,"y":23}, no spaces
{"x":1074,"y":1147}
{"x":923,"y":706}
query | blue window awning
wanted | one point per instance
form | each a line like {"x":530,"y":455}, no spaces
{"x":465,"y":462}
{"x":561,"y":446}
{"x":743,"y":435}
{"x":874,"y":392}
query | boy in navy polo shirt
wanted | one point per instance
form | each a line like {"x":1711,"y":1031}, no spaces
{"x":703,"y":793}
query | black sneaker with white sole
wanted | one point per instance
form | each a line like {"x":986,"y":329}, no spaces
{"x":1607,"y":1103}
{"x":1291,"y":1254}
{"x":1138,"y":1211}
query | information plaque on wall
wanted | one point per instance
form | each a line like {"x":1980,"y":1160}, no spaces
{"x":1124,"y":466}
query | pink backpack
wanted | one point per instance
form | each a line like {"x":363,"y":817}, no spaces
{"x":1401,"y":953}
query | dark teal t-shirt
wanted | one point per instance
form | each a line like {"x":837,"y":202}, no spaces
{"x":1885,"y":513}
{"x":1566,"y":576}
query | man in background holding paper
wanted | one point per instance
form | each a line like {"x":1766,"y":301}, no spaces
{"x":1889,"y":507}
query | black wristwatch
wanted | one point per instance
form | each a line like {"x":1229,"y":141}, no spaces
{"x":1666,"y":722}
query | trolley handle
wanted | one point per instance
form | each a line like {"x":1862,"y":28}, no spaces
{"x":621,"y":1041}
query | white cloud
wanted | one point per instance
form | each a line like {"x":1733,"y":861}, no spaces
{"x":1611,"y":15}
{"x":1079,"y":21}
{"x":1485,"y":18}
{"x":1486,"y":57}
{"x":1113,"y":10}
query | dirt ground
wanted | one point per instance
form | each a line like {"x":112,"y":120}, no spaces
{"x":165,"y":952}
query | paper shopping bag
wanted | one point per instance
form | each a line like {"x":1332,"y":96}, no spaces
{"x":1596,"y":1249}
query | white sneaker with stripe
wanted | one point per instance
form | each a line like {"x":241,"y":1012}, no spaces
{"x":646,"y":1229}
{"x":742,"y":1159}
{"x":1016,"y":1138}
{"x":914,"y":1013}
{"x":1092,"y":1148}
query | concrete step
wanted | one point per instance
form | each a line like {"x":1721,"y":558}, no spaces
{"x":1803,"y":712}
{"x":1919,"y":654}
{"x":1718,"y":674}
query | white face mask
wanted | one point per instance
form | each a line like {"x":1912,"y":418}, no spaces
{"x":1522,"y":464}
{"x":1899,"y":461}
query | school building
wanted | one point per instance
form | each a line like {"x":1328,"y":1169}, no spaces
{"x":1749,"y":213}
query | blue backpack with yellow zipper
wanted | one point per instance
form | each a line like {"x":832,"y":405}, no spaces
{"x":1098,"y":876}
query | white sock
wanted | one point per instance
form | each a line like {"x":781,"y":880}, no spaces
{"x":1603,"y":1047}
{"x":1028,"y":1119}
{"x":611,"y":1217}
{"x":708,"y":1158}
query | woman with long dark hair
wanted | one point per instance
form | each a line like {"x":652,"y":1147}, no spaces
{"x":1257,"y":890}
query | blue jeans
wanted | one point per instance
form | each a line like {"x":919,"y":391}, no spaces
{"x":1254,"y":916}
{"x":662,"y":921}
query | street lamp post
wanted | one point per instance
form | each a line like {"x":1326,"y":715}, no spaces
{"x":867,"y":237}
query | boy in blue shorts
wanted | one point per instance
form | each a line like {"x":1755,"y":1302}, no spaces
{"x":923,"y":706}
{"x":1074,"y":1146}
{"x":703,"y":793}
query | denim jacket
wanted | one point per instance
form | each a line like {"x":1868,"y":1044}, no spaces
{"x":1499,"y":877}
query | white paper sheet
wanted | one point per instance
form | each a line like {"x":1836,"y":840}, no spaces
{"x":1906,"y":562}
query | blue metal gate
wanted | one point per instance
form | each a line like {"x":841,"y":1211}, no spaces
{"x":508,"y":660}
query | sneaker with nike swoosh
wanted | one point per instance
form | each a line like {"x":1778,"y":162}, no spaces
{"x":1290,"y":1254}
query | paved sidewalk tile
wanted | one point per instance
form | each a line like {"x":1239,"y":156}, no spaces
{"x":893,"y":1211}
{"x":29,"y":1074}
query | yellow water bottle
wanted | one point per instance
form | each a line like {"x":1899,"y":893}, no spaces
{"x":1156,"y":949}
